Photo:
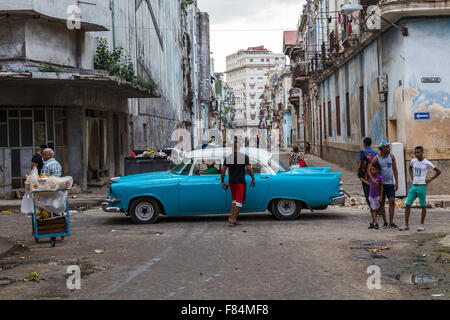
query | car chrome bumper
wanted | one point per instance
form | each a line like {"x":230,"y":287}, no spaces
{"x":339,"y":201}
{"x":107,"y":205}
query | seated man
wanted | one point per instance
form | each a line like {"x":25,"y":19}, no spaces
{"x":211,"y":168}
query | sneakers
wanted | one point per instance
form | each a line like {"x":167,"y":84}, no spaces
{"x":385,"y":225}
{"x":421,"y":227}
{"x":374,"y":226}
{"x":393,"y":226}
{"x":404,"y":227}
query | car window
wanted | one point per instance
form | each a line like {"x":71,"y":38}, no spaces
{"x":201,"y":167}
{"x":277,"y":165}
{"x":257,"y":167}
{"x":183,"y":168}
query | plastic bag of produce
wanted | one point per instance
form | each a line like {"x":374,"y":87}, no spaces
{"x":53,"y":202}
{"x":41,"y":183}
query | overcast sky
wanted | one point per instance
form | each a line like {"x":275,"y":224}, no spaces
{"x":272,"y":16}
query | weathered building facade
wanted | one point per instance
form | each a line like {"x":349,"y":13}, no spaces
{"x":51,"y":94}
{"x":379,"y":72}
{"x":294,"y":48}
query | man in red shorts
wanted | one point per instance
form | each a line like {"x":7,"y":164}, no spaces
{"x":236,"y":163}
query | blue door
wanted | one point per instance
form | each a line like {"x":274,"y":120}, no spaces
{"x":202,"y":194}
{"x":256,"y":195}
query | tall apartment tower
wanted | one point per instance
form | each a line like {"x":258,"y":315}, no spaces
{"x":247,"y":73}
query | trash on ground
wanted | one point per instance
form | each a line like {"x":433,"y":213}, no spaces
{"x":390,"y":292}
{"x":420,"y":261}
{"x":73,"y":211}
{"x":7,"y":211}
{"x":99,"y":251}
{"x":378,"y":249}
{"x":31,"y":277}
{"x":409,"y":278}
{"x":437,"y":295}
{"x":440,"y":235}
{"x":444,"y":249}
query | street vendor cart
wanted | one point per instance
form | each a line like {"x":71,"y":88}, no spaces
{"x":55,"y":204}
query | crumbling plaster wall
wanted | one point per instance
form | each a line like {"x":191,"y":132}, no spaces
{"x":159,"y":58}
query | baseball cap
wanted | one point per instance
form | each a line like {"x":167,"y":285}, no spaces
{"x":383,"y":145}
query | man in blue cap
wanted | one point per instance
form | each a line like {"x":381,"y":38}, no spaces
{"x":389,"y":171}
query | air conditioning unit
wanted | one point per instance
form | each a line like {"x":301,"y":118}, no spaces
{"x":373,"y":22}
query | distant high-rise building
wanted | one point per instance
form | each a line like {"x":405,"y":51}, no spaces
{"x":247,"y":73}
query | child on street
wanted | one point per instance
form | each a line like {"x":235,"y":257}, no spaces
{"x":376,"y":190}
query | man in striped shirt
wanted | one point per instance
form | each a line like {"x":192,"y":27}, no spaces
{"x":51,"y":166}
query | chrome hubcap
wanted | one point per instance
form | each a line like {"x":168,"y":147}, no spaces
{"x":286,"y":207}
{"x":144,"y":211}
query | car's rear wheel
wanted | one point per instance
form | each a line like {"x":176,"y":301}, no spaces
{"x":144,"y":210}
{"x":286,"y":209}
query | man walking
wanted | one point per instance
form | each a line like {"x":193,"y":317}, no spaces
{"x":236,"y":163}
{"x":37,"y":160}
{"x":418,"y":170}
{"x":389,"y":171}
{"x":257,"y":141}
{"x":365,"y":157}
{"x":51,"y":166}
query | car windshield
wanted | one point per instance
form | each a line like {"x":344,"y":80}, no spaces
{"x":277,"y":165}
{"x":183,"y":168}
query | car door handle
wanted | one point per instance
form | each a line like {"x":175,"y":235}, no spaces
{"x":264,"y":177}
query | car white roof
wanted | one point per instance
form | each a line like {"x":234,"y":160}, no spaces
{"x":220,"y":153}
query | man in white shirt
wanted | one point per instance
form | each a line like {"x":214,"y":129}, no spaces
{"x":418,"y":170}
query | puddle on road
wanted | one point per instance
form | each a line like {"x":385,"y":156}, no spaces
{"x":371,"y":248}
{"x":364,"y":245}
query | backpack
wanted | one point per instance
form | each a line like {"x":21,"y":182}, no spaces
{"x":363,"y":165}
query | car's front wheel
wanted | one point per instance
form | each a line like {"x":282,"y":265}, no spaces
{"x":144,"y":211}
{"x":286,"y":209}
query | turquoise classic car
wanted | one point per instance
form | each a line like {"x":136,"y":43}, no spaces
{"x":186,"y":190}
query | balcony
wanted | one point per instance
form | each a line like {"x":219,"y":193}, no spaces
{"x":252,"y":83}
{"x":95,"y":15}
{"x":394,"y":10}
{"x":76,"y":78}
{"x":300,"y":75}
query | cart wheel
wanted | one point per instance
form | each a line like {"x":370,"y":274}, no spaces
{"x":62,"y":238}
{"x":53,"y":240}
{"x":37,"y":240}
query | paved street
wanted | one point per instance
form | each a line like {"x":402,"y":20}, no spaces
{"x":322,"y":255}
